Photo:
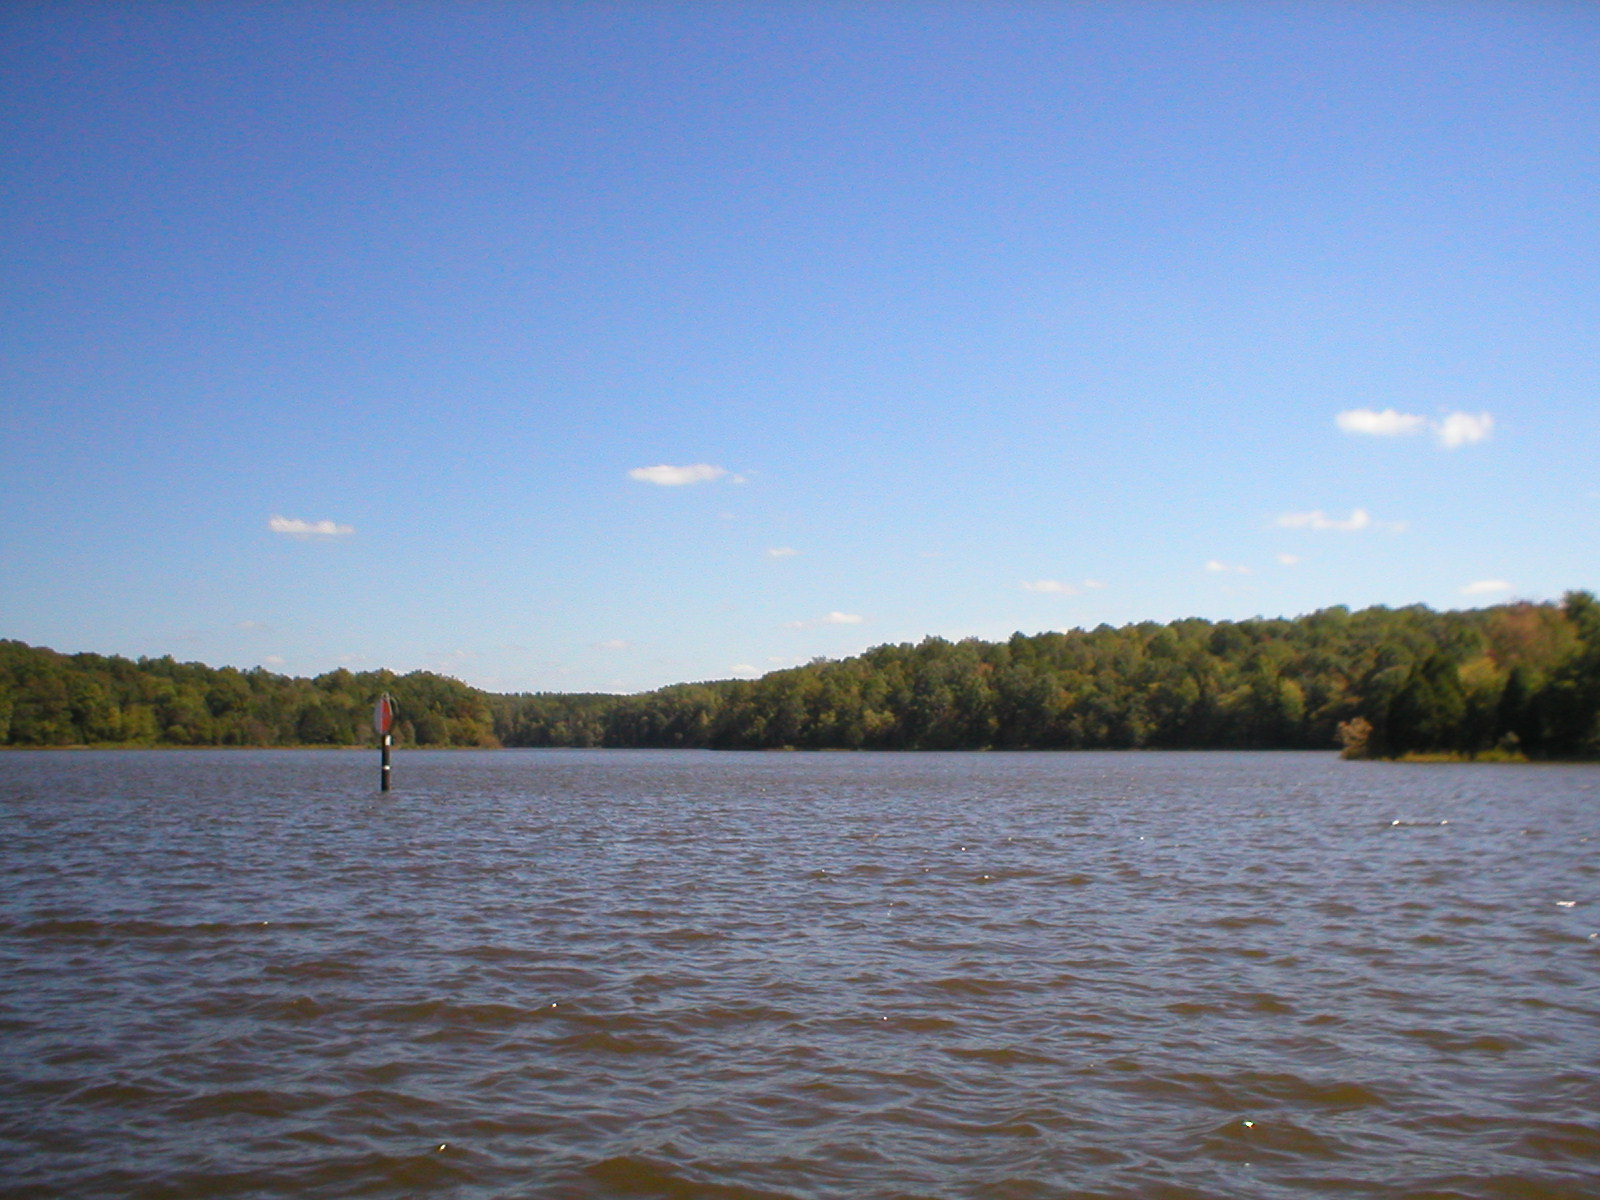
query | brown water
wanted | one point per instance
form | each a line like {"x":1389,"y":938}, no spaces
{"x":586,"y":974}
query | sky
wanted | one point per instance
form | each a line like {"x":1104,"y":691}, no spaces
{"x":589,"y":347}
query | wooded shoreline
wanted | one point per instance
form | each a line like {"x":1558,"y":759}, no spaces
{"x":1509,"y":682}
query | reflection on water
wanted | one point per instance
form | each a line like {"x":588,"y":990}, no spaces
{"x":582,"y":974}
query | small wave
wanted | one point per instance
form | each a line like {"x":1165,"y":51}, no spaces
{"x":109,"y":932}
{"x":248,"y":1102}
{"x":329,"y":968}
{"x":605,"y":1042}
{"x":963,"y":985}
{"x":287,"y":1008}
{"x":1245,"y":922}
{"x":380,"y":1104}
{"x":1194,"y":1008}
{"x":88,"y":927}
{"x":1502,"y":1187}
{"x":121,"y":1094}
{"x":438,"y":1167}
{"x":1460,"y":1043}
{"x":915,"y":1024}
{"x":1288,"y":1088}
{"x":451,"y":1012}
{"x":722,"y":1016}
{"x":683,"y":936}
{"x":1271,"y":1138}
{"x":1560,"y":1142}
{"x":1001,"y":1056}
{"x":1265,"y":1002}
{"x":636,"y":1175}
{"x":488,"y":953}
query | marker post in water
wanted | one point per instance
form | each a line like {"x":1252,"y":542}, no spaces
{"x":383,"y":722}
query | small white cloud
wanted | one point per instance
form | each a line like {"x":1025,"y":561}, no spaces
{"x":745,"y":669}
{"x":274,"y":660}
{"x":1486,"y":587}
{"x":297,"y":528}
{"x":1317,"y":519}
{"x":1462,"y":429}
{"x":1288,"y":560}
{"x":833,"y":618}
{"x":665,"y":476}
{"x":251,"y":627}
{"x":1052,"y":586}
{"x":1216,"y":567}
{"x":1387,"y":423}
{"x":611,"y":644}
{"x":1453,"y":430}
{"x":1093,"y":584}
{"x":782,"y":552}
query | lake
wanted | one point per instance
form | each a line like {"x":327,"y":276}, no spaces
{"x":681,"y":974}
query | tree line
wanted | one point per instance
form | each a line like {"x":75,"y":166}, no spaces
{"x":51,"y":699}
{"x":1517,"y":679}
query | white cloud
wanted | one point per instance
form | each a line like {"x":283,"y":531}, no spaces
{"x":782,"y":552}
{"x":1319,"y":520}
{"x":1216,"y":567}
{"x":1387,"y":423}
{"x":1486,"y":587}
{"x":274,"y":660}
{"x":297,"y":528}
{"x":833,"y":618}
{"x":611,"y":644}
{"x":1058,"y":587}
{"x":1288,"y":560}
{"x":1462,"y":429}
{"x":1453,"y":430}
{"x":665,"y":476}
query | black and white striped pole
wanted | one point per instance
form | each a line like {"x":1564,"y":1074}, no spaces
{"x":383,"y":722}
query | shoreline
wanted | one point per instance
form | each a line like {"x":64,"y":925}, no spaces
{"x":1414,"y":758}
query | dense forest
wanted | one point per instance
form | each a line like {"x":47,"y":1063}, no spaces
{"x":1514,"y":680}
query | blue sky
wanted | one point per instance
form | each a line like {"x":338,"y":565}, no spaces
{"x":589,"y":347}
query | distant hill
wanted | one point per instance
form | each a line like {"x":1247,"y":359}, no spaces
{"x":1516,"y":679}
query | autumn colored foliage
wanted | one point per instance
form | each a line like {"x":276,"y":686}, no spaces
{"x":1517,"y":680}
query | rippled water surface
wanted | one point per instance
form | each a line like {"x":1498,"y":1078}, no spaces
{"x":586,"y":974}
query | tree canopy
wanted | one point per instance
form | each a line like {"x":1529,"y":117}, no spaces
{"x":1517,"y":678}
{"x":51,"y":699}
